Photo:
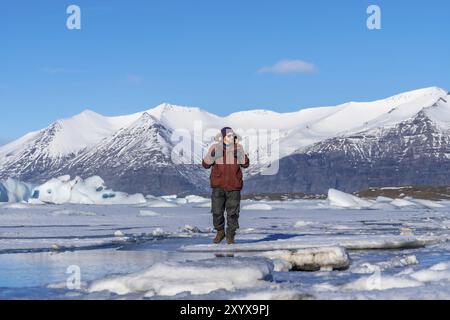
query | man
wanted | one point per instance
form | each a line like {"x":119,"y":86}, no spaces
{"x":226,"y":157}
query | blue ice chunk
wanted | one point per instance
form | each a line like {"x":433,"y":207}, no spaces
{"x":3,"y":193}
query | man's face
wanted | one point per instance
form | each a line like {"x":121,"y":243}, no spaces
{"x":229,"y":138}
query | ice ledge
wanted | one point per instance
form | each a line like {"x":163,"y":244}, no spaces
{"x":362,"y":242}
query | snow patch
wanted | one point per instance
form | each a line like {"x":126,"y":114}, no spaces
{"x":159,"y":203}
{"x":402,"y":203}
{"x":119,"y":234}
{"x":16,"y":206}
{"x":302,"y":224}
{"x":396,"y":262}
{"x":158,"y":232}
{"x":195,"y":199}
{"x":70,"y":212}
{"x":258,"y":206}
{"x":438,"y":272}
{"x":381,"y":282}
{"x":148,"y":213}
{"x":192,"y":229}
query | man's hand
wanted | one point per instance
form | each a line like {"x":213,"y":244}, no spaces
{"x":217,"y":152}
{"x":240,"y":155}
{"x":214,"y":153}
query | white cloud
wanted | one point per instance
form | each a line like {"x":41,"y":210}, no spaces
{"x":289,"y":67}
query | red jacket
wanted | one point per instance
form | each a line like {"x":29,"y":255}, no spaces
{"x":226,"y":170}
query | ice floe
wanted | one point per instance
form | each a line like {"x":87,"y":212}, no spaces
{"x":344,"y":200}
{"x":348,"y":242}
{"x":339,"y":199}
{"x":119,"y":234}
{"x":159,"y":203}
{"x":195,"y":277}
{"x":438,"y":274}
{"x":311,"y":259}
{"x":396,"y":262}
{"x":381,"y":282}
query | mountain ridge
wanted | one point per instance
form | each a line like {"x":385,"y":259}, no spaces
{"x":90,"y":143}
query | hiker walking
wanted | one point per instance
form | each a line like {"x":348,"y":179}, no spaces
{"x":226,"y":157}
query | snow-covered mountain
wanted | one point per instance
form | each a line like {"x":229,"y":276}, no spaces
{"x":352,"y":145}
{"x":408,"y":145}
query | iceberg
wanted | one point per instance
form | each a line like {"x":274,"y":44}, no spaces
{"x":79,"y":191}
{"x":341,"y":199}
{"x":14,"y":191}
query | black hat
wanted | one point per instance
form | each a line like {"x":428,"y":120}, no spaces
{"x":225,"y":131}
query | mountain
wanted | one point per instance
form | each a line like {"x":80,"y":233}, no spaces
{"x":38,"y":155}
{"x":400,"y":140}
{"x":139,"y":157}
{"x":390,"y":152}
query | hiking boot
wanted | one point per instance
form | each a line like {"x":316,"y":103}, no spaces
{"x":219,"y":236}
{"x":230,"y":238}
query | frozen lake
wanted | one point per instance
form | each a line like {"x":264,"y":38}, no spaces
{"x":162,"y":250}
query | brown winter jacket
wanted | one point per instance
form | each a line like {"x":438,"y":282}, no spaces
{"x":226,"y":166}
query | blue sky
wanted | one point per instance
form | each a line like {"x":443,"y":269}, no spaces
{"x":217,"y":55}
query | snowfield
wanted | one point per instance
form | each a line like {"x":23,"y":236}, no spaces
{"x":160,"y":248}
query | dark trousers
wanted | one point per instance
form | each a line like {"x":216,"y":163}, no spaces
{"x":230,"y":201}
